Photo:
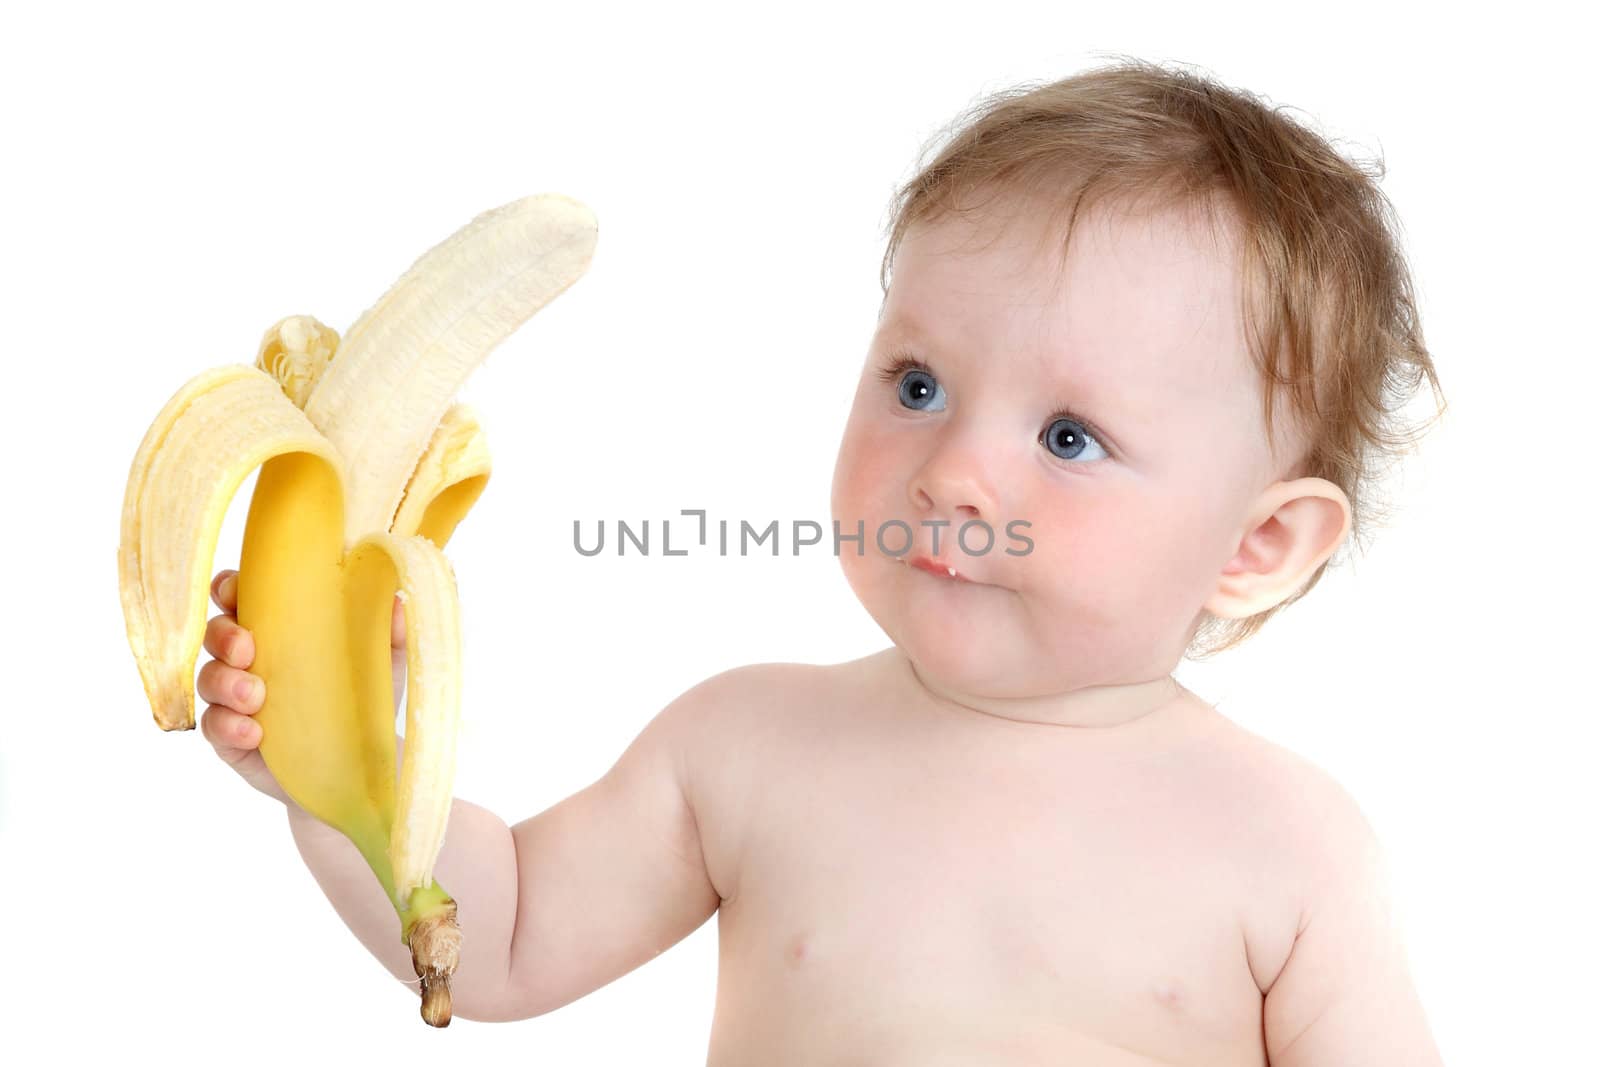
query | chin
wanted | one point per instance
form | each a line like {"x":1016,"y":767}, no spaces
{"x":949,"y":633}
{"x":958,"y":651}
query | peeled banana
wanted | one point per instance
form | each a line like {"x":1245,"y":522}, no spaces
{"x":366,"y":468}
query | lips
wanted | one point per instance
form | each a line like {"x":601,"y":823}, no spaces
{"x":934,"y":566}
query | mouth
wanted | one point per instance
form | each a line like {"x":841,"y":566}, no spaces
{"x":934,"y":567}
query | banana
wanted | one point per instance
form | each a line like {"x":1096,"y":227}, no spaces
{"x":366,"y":469}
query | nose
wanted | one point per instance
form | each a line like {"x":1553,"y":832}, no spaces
{"x":953,"y":481}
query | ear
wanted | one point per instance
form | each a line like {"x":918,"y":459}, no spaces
{"x":1291,"y":530}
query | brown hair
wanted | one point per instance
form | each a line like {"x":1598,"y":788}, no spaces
{"x":1320,"y":243}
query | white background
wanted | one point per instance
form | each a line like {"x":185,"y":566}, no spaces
{"x":179,"y":178}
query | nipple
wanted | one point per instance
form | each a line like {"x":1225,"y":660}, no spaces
{"x":1168,"y":995}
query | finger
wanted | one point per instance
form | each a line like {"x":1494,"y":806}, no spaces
{"x":235,"y":689}
{"x":225,"y":590}
{"x":397,"y":625}
{"x":226,"y":640}
{"x":231,"y":734}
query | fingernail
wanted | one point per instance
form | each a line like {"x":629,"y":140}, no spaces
{"x":248,"y":689}
{"x":225,"y":589}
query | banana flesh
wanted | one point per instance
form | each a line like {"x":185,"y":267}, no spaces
{"x":448,"y":480}
{"x":379,"y":401}
{"x":366,"y":468}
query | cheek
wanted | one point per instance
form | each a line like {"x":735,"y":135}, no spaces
{"x":868,"y":488}
{"x":864,"y":477}
{"x":1096,"y":546}
{"x":1122,"y":555}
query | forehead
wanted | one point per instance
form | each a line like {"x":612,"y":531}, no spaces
{"x":1141,"y":315}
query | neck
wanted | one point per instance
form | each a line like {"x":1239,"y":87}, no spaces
{"x":1089,"y":707}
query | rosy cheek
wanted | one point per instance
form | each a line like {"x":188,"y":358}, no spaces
{"x":866,"y":477}
{"x":1110,"y":554}
{"x":1082,"y":538}
{"x":1052,"y":521}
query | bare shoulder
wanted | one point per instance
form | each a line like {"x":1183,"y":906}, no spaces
{"x":745,"y":702}
{"x":1324,"y":946}
{"x":1304,"y":835}
{"x":746,"y":716}
{"x":1319,"y":820}
{"x":734,"y":728}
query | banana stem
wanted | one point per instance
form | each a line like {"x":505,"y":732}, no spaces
{"x":427,"y":927}
{"x":430,"y":931}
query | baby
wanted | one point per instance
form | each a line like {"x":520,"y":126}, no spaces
{"x":1011,"y":837}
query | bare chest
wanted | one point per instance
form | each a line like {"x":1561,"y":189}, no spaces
{"x":910,"y":903}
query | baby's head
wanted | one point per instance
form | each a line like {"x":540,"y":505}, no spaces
{"x":1159,"y":331}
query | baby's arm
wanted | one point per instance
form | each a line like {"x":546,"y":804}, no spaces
{"x":1345,"y":998}
{"x":564,"y":902}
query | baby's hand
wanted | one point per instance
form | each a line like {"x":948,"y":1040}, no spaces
{"x":234,"y":694}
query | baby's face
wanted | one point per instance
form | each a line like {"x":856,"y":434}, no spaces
{"x":1114,"y":410}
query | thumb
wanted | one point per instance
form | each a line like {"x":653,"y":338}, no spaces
{"x":397,"y":625}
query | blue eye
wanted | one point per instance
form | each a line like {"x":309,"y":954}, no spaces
{"x":921,"y":391}
{"x":918,"y":389}
{"x":1066,"y":438}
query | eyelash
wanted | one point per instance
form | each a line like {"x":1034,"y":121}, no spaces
{"x":901,"y":363}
